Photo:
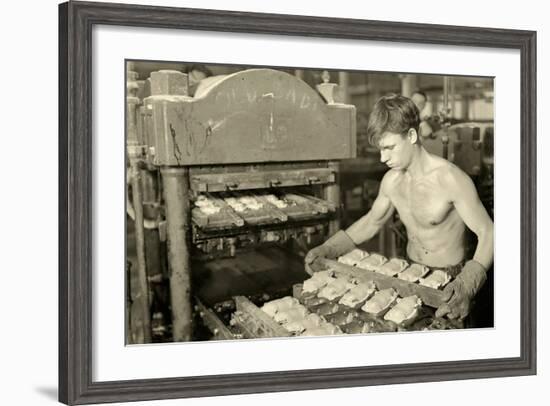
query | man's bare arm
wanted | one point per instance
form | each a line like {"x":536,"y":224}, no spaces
{"x":466,"y":201}
{"x":368,"y":226}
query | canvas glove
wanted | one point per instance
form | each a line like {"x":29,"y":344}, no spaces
{"x":459,"y":293}
{"x":337,"y":245}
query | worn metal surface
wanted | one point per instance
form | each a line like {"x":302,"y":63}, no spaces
{"x":467,"y":146}
{"x":143,"y":298}
{"x":256,"y":115}
{"x":224,"y":219}
{"x":132,"y":104}
{"x":176,"y":196}
{"x":168,"y":82}
{"x":331,"y":193}
{"x":134,"y":155}
{"x":255,"y":322}
{"x":301,"y":208}
{"x":220,"y":182}
{"x":213,"y":322}
{"x":215,"y":243}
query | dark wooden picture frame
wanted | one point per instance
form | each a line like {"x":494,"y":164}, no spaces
{"x":76,"y":20}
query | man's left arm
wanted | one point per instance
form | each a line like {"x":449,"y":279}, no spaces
{"x":469,"y":207}
{"x":465,"y":199}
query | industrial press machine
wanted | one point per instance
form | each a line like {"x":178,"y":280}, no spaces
{"x":261,"y":136}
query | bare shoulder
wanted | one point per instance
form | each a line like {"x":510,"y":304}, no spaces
{"x":451,"y":177}
{"x":391,"y":179}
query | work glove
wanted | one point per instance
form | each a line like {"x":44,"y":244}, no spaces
{"x":459,"y":293}
{"x":337,"y":245}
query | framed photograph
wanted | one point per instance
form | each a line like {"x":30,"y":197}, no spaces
{"x":259,"y":203}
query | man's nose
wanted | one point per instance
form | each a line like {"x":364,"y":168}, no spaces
{"x":383,"y":157}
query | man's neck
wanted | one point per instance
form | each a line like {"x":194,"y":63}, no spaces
{"x":419,"y":163}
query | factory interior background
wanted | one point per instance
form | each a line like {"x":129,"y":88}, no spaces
{"x":265,"y":262}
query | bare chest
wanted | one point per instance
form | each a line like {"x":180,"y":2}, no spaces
{"x":423,"y":202}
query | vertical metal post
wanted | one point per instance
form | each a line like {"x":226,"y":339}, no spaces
{"x":130,"y":339}
{"x":343,"y":82}
{"x":132,"y":102}
{"x":150,"y":196}
{"x":331,"y":193}
{"x":452,"y":97}
{"x":175,"y":183}
{"x":135,"y":175}
{"x":446,"y":95}
{"x":408,"y":84}
{"x":135,"y":154}
{"x":446,"y":116}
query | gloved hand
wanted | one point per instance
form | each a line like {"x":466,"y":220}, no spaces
{"x":339,"y":244}
{"x":459,"y":293}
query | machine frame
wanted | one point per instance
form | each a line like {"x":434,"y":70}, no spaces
{"x":248,"y":134}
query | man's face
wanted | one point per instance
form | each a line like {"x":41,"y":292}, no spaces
{"x":396,"y":150}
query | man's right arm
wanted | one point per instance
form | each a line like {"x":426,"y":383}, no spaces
{"x":368,"y":226}
{"x":363,"y":229}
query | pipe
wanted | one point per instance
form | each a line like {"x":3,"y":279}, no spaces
{"x":134,"y":156}
{"x":129,"y":332}
{"x":445,"y":96}
{"x":445,"y":116}
{"x":132,"y":102}
{"x":175,"y":183}
{"x":408,"y":84}
{"x":148,"y":224}
{"x":343,"y":83}
{"x":140,"y":249}
{"x":331,"y":193}
{"x":452,"y":97}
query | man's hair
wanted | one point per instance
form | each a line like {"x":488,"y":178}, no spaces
{"x":392,"y":113}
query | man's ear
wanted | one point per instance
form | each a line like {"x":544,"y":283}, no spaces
{"x":413,"y":135}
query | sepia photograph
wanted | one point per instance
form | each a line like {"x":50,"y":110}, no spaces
{"x":266,"y":201}
{"x":271,"y":203}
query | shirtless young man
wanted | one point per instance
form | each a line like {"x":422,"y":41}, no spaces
{"x":435,"y":200}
